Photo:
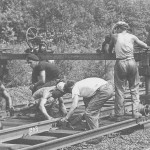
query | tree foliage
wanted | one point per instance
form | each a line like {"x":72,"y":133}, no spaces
{"x":78,"y":25}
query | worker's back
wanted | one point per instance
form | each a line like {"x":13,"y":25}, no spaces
{"x":124,"y":46}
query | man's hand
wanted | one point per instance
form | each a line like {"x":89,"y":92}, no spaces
{"x":65,"y":119}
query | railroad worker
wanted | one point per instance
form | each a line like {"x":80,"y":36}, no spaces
{"x":105,"y":44}
{"x":6,"y":96}
{"x":95,"y":92}
{"x":43,"y":94}
{"x":44,"y":73}
{"x":125,"y":68}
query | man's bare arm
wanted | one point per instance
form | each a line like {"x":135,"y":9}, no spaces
{"x":62,"y":106}
{"x":140,"y":43}
{"x":42,"y":108}
{"x":41,"y":78}
{"x":73,"y":106}
{"x":6,"y":95}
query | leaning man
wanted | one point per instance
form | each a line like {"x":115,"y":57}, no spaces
{"x":95,"y":92}
{"x":43,"y":94}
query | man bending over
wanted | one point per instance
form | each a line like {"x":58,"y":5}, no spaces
{"x":45,"y":93}
{"x":95,"y":92}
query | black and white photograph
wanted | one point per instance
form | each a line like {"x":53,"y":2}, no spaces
{"x":74,"y":74}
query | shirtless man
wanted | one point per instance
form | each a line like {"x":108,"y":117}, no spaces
{"x":125,"y":68}
{"x":51,"y":93}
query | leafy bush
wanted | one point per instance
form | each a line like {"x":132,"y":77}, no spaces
{"x":83,"y":23}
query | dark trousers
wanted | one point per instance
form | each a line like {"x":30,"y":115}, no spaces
{"x":126,"y":70}
{"x":94,"y":104}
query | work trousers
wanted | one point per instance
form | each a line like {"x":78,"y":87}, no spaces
{"x":126,"y":70}
{"x":94,"y":104}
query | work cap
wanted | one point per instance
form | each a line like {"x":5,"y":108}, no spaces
{"x":122,"y":24}
{"x":60,"y":86}
{"x":68,"y":86}
{"x":32,"y":57}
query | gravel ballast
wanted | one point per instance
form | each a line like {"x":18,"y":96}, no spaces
{"x":129,"y":139}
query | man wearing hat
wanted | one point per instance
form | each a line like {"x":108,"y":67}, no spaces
{"x":106,"y":42}
{"x":125,"y":68}
{"x":95,"y":92}
{"x":43,"y":74}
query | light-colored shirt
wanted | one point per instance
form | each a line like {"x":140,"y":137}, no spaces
{"x":87,"y":87}
{"x":124,"y":46}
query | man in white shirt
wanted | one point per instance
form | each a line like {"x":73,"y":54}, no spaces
{"x":95,"y":92}
{"x":125,"y":68}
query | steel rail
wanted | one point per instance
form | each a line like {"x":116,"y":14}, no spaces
{"x":107,"y":109}
{"x":34,"y":128}
{"x":71,"y":56}
{"x":87,"y":135}
{"x":25,"y":130}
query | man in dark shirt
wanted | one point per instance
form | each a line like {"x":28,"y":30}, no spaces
{"x":43,"y":72}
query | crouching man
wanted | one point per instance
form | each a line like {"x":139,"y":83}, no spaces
{"x":95,"y":92}
{"x":42,"y":95}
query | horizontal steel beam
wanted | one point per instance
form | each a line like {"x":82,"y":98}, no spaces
{"x":87,"y":135}
{"x":25,"y":130}
{"x":71,"y":56}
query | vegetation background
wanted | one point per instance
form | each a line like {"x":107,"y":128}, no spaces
{"x":78,"y":26}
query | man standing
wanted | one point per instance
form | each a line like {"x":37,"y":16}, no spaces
{"x":43,"y":74}
{"x":125,"y":68}
{"x":95,"y":93}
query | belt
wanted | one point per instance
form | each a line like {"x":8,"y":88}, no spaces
{"x":128,"y":58}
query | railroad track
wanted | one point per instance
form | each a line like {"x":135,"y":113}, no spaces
{"x":44,"y":136}
{"x":27,"y":134}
